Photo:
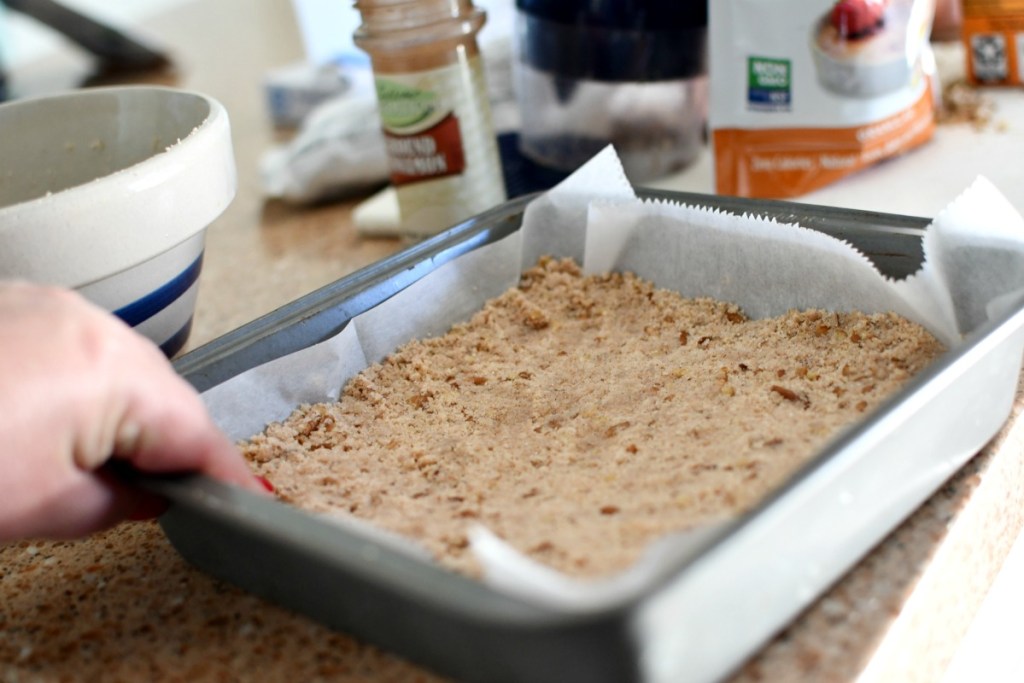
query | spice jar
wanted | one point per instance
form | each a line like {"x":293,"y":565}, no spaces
{"x":442,"y":151}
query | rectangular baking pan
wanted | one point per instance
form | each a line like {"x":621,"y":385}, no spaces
{"x":700,"y":619}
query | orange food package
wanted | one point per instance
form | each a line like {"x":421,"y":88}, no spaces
{"x":993,"y":36}
{"x":806,"y":92}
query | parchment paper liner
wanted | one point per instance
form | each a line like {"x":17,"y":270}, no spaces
{"x":974,"y":267}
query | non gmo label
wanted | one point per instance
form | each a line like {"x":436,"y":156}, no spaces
{"x":769,"y":83}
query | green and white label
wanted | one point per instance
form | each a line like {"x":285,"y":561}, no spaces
{"x":403,"y":106}
{"x":769,"y":83}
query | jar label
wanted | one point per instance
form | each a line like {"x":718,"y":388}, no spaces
{"x":421,"y":131}
{"x":442,"y":154}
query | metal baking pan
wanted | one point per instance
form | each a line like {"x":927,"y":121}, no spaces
{"x":696,"y":622}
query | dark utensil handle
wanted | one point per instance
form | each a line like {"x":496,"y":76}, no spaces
{"x":109,"y":44}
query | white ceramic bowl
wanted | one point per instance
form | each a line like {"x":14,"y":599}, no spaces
{"x":109,"y":191}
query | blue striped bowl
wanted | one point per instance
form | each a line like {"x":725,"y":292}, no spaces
{"x":170,"y":282}
{"x":109,"y":191}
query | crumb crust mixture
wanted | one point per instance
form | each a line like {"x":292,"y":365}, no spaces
{"x":582,"y":417}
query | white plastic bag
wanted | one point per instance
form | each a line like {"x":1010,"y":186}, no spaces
{"x":338,"y":150}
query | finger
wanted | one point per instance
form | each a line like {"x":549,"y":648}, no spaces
{"x":130,"y":502}
{"x":194,"y":446}
{"x":160,"y":423}
{"x":83,"y":505}
{"x":176,"y":434}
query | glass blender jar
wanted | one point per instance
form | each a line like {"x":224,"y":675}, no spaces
{"x":630,"y":73}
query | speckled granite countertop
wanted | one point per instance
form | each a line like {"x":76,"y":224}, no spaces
{"x":123,"y":605}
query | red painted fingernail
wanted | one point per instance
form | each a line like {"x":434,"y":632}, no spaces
{"x":265,"y":483}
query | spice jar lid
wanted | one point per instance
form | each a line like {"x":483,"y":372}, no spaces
{"x":627,"y":40}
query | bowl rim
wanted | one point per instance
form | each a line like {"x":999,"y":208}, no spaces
{"x":71,"y":226}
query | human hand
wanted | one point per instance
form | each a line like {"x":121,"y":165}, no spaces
{"x":77,"y":387}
